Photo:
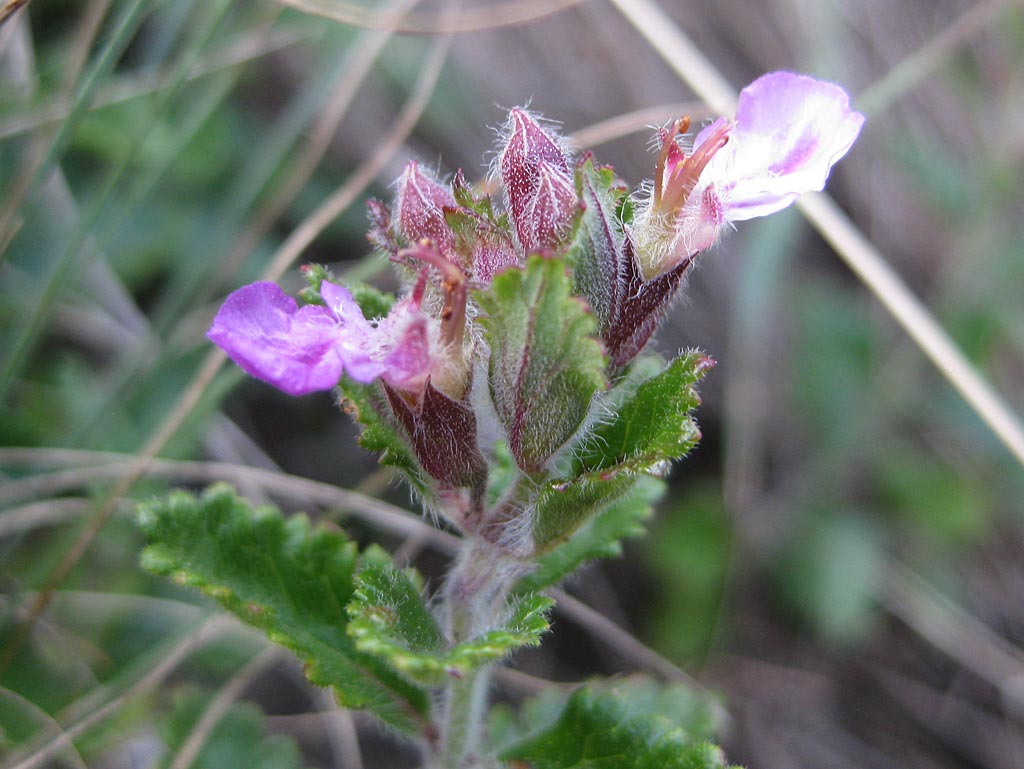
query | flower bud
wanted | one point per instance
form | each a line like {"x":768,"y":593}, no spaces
{"x":419,"y":208}
{"x":540,"y":192}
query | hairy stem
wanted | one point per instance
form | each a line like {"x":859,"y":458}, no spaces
{"x":475,"y":601}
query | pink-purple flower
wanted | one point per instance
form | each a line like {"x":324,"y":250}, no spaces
{"x":788,"y":132}
{"x":301,"y":350}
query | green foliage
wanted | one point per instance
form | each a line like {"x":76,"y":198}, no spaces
{"x":830,"y":572}
{"x":372,"y":301}
{"x":291,"y":581}
{"x":238,"y":740}
{"x":390,"y":619}
{"x":937,"y":504}
{"x":600,"y":537}
{"x":651,"y":425}
{"x":545,"y":363}
{"x":654,"y":424}
{"x":688,"y":553}
{"x":603,"y":727}
{"x":698,"y":715}
{"x":561,"y":507}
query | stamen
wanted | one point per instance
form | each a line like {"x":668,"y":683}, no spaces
{"x":687,"y":173}
{"x":680,"y":126}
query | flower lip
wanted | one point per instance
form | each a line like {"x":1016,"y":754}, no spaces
{"x":790,"y":130}
{"x":295,"y":349}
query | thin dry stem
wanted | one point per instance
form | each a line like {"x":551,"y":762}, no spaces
{"x":493,"y":16}
{"x":43,"y":513}
{"x":290,"y":250}
{"x":88,"y":27}
{"x":622,"y":641}
{"x":205,"y":633}
{"x":687,"y":61}
{"x":357,"y":66}
{"x":342,"y":735}
{"x":243,"y":48}
{"x":925,"y":60}
{"x":9,"y":8}
{"x":639,"y":120}
{"x":334,"y":206}
{"x":98,"y":466}
{"x":53,"y":724}
{"x":958,"y":634}
{"x":220,"y":705}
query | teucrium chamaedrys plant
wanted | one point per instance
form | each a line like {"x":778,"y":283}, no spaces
{"x":508,"y":385}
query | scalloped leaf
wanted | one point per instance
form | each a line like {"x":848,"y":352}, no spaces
{"x":603,"y":727}
{"x":545,"y":363}
{"x":653,"y":426}
{"x":286,"y":578}
{"x":601,"y":537}
{"x":390,"y":619}
{"x":650,"y":426}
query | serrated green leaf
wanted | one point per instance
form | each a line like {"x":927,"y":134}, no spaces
{"x":367,"y":404}
{"x":600,"y":538}
{"x":526,"y":623}
{"x":545,"y":364}
{"x":652,"y":426}
{"x":600,"y":728}
{"x":561,"y":508}
{"x":286,"y":578}
{"x":698,"y":714}
{"x":389,"y":619}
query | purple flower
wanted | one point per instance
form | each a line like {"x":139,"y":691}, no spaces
{"x":301,"y":350}
{"x":788,"y":133}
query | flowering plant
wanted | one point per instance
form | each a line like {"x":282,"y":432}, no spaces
{"x":510,"y":386}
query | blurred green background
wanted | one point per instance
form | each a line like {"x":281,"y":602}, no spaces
{"x":841,"y":557}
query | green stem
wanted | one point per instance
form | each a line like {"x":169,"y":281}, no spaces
{"x":475,"y":601}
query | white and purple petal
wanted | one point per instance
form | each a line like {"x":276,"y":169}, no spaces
{"x":357,"y":338}
{"x":789,"y":131}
